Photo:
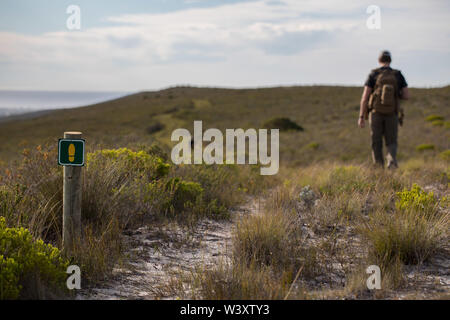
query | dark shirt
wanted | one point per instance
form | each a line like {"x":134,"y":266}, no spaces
{"x":372,"y":78}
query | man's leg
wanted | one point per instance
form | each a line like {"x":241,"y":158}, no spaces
{"x":391,"y":133}
{"x":376,"y":133}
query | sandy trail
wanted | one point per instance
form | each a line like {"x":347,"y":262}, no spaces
{"x":155,"y":255}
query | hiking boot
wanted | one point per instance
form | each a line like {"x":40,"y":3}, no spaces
{"x":392,"y":165}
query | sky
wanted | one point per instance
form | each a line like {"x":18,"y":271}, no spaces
{"x":136,"y":45}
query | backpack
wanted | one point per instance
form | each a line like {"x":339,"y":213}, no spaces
{"x":384,"y":98}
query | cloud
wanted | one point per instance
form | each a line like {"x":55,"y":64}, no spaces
{"x":290,"y":43}
{"x":126,"y":42}
{"x":264,"y":42}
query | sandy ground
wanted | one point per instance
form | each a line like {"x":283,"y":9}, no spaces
{"x":157,"y":255}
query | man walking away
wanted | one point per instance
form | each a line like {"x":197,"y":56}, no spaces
{"x":380,"y":103}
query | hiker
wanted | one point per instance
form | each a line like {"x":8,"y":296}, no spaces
{"x":380,"y":104}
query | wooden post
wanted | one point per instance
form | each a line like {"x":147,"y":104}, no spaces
{"x":71,"y":201}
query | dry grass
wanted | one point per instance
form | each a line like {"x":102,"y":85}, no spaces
{"x":327,"y":114}
{"x":240,"y":282}
{"x":345,"y":221}
{"x":350,"y":221}
{"x":266,"y":239}
{"x":118,"y":194}
{"x":410,"y":237}
{"x":392,"y":279}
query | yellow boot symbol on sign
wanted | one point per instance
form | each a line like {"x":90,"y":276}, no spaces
{"x":71,"y":152}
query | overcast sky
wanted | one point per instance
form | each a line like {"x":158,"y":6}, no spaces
{"x":137,"y":45}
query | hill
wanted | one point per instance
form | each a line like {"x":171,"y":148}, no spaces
{"x":155,"y":229}
{"x":327,"y":113}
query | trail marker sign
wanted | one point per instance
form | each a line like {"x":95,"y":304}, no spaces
{"x":71,"y":152}
{"x":71,"y":157}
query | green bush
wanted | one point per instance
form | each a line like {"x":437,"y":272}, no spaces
{"x":424,"y":147}
{"x":9,"y":280}
{"x":434,"y":117}
{"x":155,"y":127}
{"x":157,"y":151}
{"x":284,"y":124}
{"x":183,"y":193}
{"x":177,"y":198}
{"x":445,"y":155}
{"x":437,"y":123}
{"x":28,"y":268}
{"x":312,"y":145}
{"x":415,"y":199}
{"x":222,"y":183}
{"x":140,"y":162}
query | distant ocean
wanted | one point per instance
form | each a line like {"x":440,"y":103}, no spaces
{"x":16,"y":102}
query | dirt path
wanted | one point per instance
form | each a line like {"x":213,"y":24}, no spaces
{"x":155,"y":255}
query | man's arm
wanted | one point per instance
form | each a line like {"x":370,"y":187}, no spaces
{"x":363,"y":111}
{"x":404,"y":93}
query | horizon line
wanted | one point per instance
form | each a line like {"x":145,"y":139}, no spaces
{"x":211,"y":87}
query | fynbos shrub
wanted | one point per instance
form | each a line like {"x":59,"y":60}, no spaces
{"x":183,"y":192}
{"x":415,"y":199}
{"x":424,"y":147}
{"x":26,"y":264}
{"x":139,"y":162}
{"x":434,"y":117}
{"x":284,"y":124}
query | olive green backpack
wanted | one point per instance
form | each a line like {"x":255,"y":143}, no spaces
{"x":384,"y":98}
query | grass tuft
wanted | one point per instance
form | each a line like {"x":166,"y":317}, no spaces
{"x":425,"y":147}
{"x":284,"y":124}
{"x":434,"y":117}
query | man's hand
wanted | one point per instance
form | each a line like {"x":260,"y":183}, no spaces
{"x":361,"y":122}
{"x":401,"y":116}
{"x":363,"y":111}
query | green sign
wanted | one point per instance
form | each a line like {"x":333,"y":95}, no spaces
{"x":71,"y":152}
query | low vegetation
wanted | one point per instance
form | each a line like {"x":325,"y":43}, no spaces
{"x":330,"y":222}
{"x":283,"y":124}
{"x":434,"y":117}
{"x":29,"y":268}
{"x":425,"y":147}
{"x":445,"y":155}
{"x":122,"y":189}
{"x":437,"y":123}
{"x":325,"y":217}
{"x":313,"y":145}
{"x":154,"y":127}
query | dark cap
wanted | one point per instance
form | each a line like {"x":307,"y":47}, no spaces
{"x":385,"y":56}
